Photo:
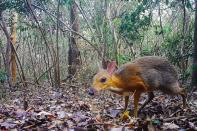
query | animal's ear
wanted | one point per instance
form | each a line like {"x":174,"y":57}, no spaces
{"x":111,"y":67}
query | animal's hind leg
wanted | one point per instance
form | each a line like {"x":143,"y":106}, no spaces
{"x":136,"y":100}
{"x":183,"y":94}
{"x":176,"y":89}
{"x":150,"y":98}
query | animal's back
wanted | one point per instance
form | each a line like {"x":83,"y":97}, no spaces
{"x":157,"y":72}
{"x":157,"y":63}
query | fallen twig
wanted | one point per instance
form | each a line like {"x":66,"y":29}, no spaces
{"x":100,"y":124}
{"x":176,"y":118}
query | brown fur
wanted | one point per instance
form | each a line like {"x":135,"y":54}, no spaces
{"x":155,"y":72}
{"x":144,"y":74}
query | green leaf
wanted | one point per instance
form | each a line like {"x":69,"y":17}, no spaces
{"x":167,"y":2}
{"x":156,"y":122}
{"x":189,"y":5}
{"x":117,"y":21}
{"x":144,"y":2}
{"x":167,"y":29}
{"x":3,"y":75}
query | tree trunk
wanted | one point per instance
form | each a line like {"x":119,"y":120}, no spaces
{"x":8,"y":48}
{"x":194,"y":73}
{"x":57,"y":66}
{"x":13,"y":40}
{"x":73,"y":52}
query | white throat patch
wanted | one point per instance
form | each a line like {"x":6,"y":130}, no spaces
{"x":115,"y":89}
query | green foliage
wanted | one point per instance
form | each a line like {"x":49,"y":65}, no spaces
{"x":22,"y":28}
{"x":3,"y":76}
{"x":187,"y":73}
{"x":147,"y":50}
{"x":189,"y":5}
{"x":167,"y":2}
{"x":134,"y":23}
{"x":178,"y":49}
{"x":176,"y":3}
{"x":171,"y":47}
{"x":123,"y":58}
{"x":117,"y":22}
{"x":18,"y":5}
{"x":137,"y":29}
{"x":166,"y":29}
{"x":45,"y":76}
{"x":68,"y":3}
{"x":173,"y":44}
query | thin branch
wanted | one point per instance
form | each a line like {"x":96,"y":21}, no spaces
{"x":160,"y":21}
{"x":176,"y":118}
{"x":41,"y":30}
{"x":70,"y":30}
{"x":83,"y":14}
{"x":37,"y":80}
{"x":8,"y":50}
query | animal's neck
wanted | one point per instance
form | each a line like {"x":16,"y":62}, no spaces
{"x":115,"y":84}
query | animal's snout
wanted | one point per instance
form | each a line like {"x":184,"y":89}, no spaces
{"x":91,"y":91}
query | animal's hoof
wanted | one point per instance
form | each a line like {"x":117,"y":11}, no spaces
{"x":125,"y":116}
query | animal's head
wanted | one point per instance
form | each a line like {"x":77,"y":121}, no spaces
{"x":102,"y":80}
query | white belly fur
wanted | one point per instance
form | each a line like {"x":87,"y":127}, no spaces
{"x":119,"y":90}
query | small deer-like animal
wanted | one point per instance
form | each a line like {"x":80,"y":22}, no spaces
{"x":145,"y":74}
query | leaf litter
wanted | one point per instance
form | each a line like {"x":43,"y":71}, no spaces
{"x":73,"y":109}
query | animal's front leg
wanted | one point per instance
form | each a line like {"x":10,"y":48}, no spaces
{"x":126,"y":99}
{"x":125,"y":113}
{"x":136,"y":101}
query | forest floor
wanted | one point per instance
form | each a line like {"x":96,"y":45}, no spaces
{"x":71,"y":108}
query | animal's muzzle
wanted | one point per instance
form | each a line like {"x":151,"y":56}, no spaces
{"x":91,"y":91}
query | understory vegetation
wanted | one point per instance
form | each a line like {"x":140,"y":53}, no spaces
{"x":50,"y":51}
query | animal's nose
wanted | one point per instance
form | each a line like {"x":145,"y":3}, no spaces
{"x":91,"y":91}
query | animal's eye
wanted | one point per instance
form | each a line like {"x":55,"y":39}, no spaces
{"x":103,"y":80}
